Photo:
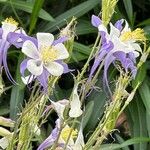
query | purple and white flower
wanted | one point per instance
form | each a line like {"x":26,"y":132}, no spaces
{"x":10,"y":35}
{"x":78,"y":144}
{"x":120,"y":44}
{"x":73,"y":144}
{"x":44,"y":58}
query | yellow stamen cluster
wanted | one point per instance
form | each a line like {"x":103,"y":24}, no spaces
{"x":139,"y":35}
{"x":136,"y":35}
{"x":48,"y":54}
{"x":66,"y":131}
{"x":10,"y":20}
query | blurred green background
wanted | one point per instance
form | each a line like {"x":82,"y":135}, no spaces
{"x":52,"y":15}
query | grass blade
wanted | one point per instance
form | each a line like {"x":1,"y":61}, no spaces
{"x":27,"y":7}
{"x":124,"y":144}
{"x":77,"y":11}
{"x":35,"y":11}
{"x":129,"y":10}
{"x":17,"y":92}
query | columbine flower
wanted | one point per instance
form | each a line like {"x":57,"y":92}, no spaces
{"x":77,"y":145}
{"x":120,"y":44}
{"x":10,"y":35}
{"x":44,"y":57}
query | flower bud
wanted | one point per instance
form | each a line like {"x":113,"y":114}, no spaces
{"x":6,"y":122}
{"x":75,"y":104}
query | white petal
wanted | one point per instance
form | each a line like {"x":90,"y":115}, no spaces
{"x":30,"y":49}
{"x":35,"y":67}
{"x":79,"y":144}
{"x":137,"y":47}
{"x":75,"y":104}
{"x":61,"y":51}
{"x":126,"y":28}
{"x":45,"y":39}
{"x":7,"y":27}
{"x":114,"y":31}
{"x":101,"y":27}
{"x":60,"y":107}
{"x":4,"y":143}
{"x":54,"y":68}
{"x":28,"y":79}
{"x":37,"y":130}
{"x":136,"y":54}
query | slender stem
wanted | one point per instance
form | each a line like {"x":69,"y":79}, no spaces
{"x":16,"y":14}
{"x":115,"y":105}
{"x":56,"y":142}
{"x":89,"y":59}
{"x":80,"y":78}
{"x":99,"y":128}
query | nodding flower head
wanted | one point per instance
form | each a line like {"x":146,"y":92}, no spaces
{"x":10,"y":34}
{"x":9,"y":25}
{"x":120,"y":44}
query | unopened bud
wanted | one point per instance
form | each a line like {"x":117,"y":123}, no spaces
{"x":4,"y":132}
{"x":6,"y":122}
{"x":69,"y":30}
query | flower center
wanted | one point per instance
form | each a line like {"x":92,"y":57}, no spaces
{"x":10,"y":20}
{"x":137,"y":35}
{"x":66,"y":131}
{"x":48,"y":54}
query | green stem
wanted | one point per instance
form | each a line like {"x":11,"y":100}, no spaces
{"x":56,"y":142}
{"x":16,"y":15}
{"x":89,"y":59}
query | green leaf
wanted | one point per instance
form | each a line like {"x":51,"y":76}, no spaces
{"x":147,"y":31}
{"x":98,"y":97}
{"x":35,"y":11}
{"x":144,"y":91}
{"x":85,"y":27}
{"x":137,"y":121}
{"x":4,"y":110}
{"x":120,"y":141}
{"x":17,"y":92}
{"x":140,"y":76}
{"x":88,"y":112}
{"x":126,"y":143}
{"x":76,"y":57}
{"x":80,"y":52}
{"x":129,"y":9}
{"x":77,"y":11}
{"x":27,"y":7}
{"x":82,"y":48}
{"x":148,"y":121}
{"x":144,"y":23}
